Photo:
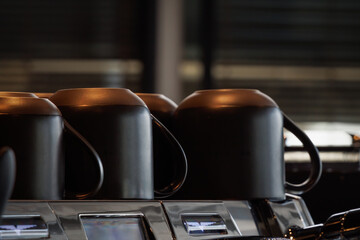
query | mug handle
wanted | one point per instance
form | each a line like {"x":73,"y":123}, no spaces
{"x":316,"y":170}
{"x":96,"y":159}
{"x":180,"y":176}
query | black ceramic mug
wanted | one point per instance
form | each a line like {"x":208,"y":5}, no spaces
{"x":166,"y":165}
{"x":119,"y":126}
{"x":7,"y":175}
{"x":234,"y":142}
{"x":34,"y":128}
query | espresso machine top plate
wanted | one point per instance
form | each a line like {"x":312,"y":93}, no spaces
{"x":209,"y":219}
{"x":140,"y":220}
{"x":143,"y":220}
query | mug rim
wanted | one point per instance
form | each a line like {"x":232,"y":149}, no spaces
{"x":85,"y":97}
{"x":221,"y":98}
{"x":27,"y":106}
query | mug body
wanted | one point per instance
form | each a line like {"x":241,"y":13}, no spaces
{"x":33,"y":128}
{"x":163,"y":109}
{"x":118,"y":125}
{"x":234,"y":145}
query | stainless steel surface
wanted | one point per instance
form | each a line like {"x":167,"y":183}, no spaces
{"x":204,"y":224}
{"x":291,"y":212}
{"x":23,"y":226}
{"x":68,"y":214}
{"x":177,"y":209}
{"x":244,"y":219}
{"x":164,"y":219}
{"x":38,"y":208}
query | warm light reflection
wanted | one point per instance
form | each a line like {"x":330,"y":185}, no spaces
{"x":356,"y":138}
{"x":223,"y":99}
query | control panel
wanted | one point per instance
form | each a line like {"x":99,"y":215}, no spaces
{"x":138,"y":220}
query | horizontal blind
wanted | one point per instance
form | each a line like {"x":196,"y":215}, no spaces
{"x":317,"y":34}
{"x":323,"y":32}
{"x":70,"y":29}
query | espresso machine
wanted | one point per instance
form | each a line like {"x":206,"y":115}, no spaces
{"x":232,"y":185}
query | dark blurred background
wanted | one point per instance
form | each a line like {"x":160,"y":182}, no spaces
{"x":304,"y":54}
